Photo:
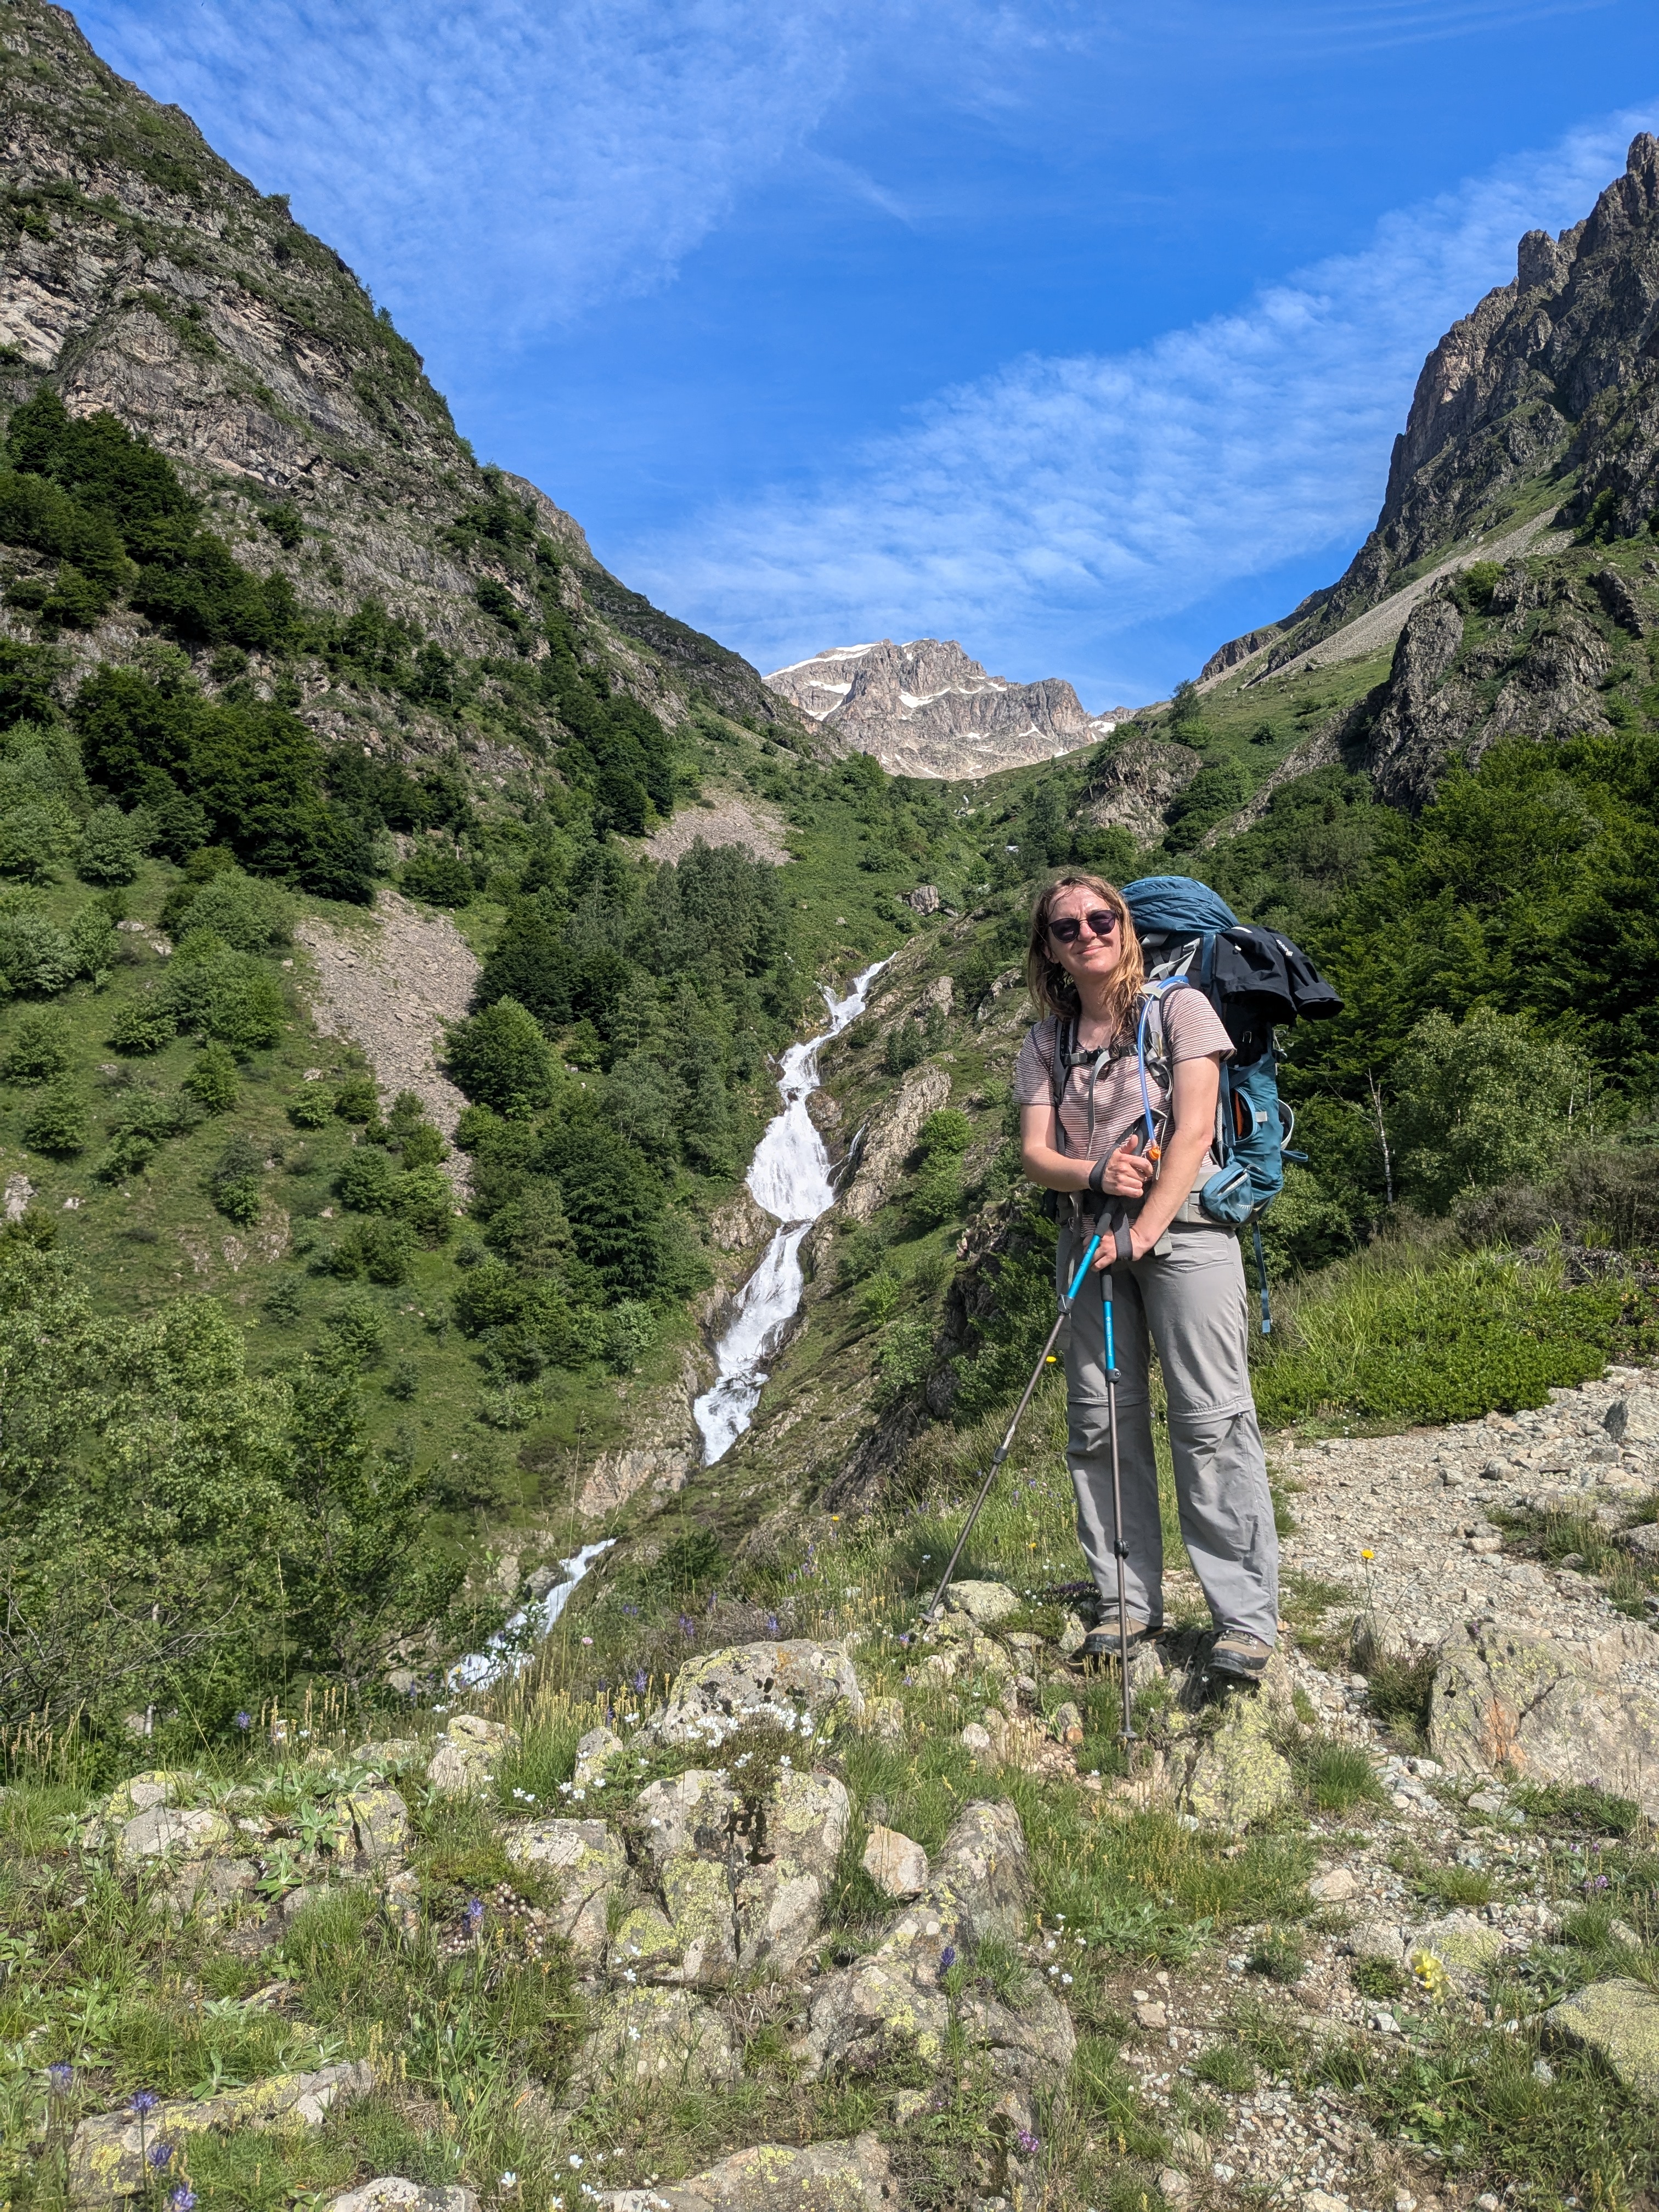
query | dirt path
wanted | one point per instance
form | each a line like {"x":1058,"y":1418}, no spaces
{"x":391,"y":989}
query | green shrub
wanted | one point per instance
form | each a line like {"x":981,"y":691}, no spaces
{"x":1224,"y":2066}
{"x":144,"y":1024}
{"x":1377,"y":1977}
{"x":356,"y":1334}
{"x":111,"y":844}
{"x":229,"y":997}
{"x":1278,"y":1952}
{"x":500,"y":1059}
{"x":630,"y":1330}
{"x":1336,"y":1776}
{"x":946,"y":1130}
{"x":311,"y":1106}
{"x":250,"y":915}
{"x":1480,"y":1103}
{"x":36,"y":957}
{"x":937,"y":1197}
{"x":141,"y":1122}
{"x":905,"y":1048}
{"x":38,"y":1049}
{"x":357,"y":1099}
{"x":34,"y":838}
{"x":368,"y":1183}
{"x":382,"y":1250}
{"x":421,"y":1147}
{"x":425,"y":1199}
{"x":440,"y":877}
{"x":1418,"y":1342}
{"x":236,"y":1182}
{"x":282,"y":1301}
{"x":213,"y":1080}
{"x":57,"y":1121}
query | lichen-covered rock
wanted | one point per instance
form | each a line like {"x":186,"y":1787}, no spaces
{"x":780,"y":1891}
{"x":594,"y":1753}
{"x":984,"y":1603}
{"x":379,"y":1824}
{"x":386,"y":1756}
{"x":140,"y":1793}
{"x":195,"y":1829}
{"x":1619,"y":2020}
{"x":979,"y":1885}
{"x":661,"y":2038}
{"x":1218,"y":1759}
{"x":467,"y":1754}
{"x":1459,"y":1939}
{"x":1508,"y":1702}
{"x":210,"y":1887}
{"x":896,"y":1863}
{"x":853,"y":2176}
{"x":391,"y":2193}
{"x":784,"y":1681}
{"x":107,"y":2152}
{"x":1633,"y":1419}
{"x":584,"y":1862}
{"x":884,"y":1718}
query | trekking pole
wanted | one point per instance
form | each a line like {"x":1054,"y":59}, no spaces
{"x":1120,"y":1252}
{"x":1004,"y":1448}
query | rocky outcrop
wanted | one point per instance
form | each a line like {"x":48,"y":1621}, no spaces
{"x":787,"y":1683}
{"x":891,"y":1138}
{"x":106,"y":2154}
{"x":1136,"y":782}
{"x":1618,"y":2020}
{"x":140,"y":273}
{"x":1556,"y":371}
{"x":925,"y":708}
{"x":1511,"y":1702}
{"x":663,"y":1449}
{"x":467,"y":1754}
{"x":853,"y":2176}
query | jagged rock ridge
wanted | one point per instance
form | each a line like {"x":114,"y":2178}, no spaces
{"x":142,"y":274}
{"x":925,"y":708}
{"x":1546,"y":394}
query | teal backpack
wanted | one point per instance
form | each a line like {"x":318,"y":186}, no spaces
{"x":1257,"y":982}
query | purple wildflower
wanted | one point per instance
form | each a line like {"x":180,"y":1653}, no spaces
{"x":160,"y":2154}
{"x":183,"y":2198}
{"x":772,"y":1624}
{"x":144,"y":2100}
{"x":688,"y":1628}
{"x":1029,"y":2144}
{"x":475,"y":1914}
{"x":638,"y":1680}
{"x":947,"y":1958}
{"x":905,"y":1642}
{"x":60,"y":2077}
{"x":244,"y":1720}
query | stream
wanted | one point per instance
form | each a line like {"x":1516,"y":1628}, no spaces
{"x":789,"y":1178}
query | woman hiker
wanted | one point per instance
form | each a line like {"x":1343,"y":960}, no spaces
{"x":1182,"y":1290}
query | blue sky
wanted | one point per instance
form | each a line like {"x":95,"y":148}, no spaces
{"x":1078,"y":333}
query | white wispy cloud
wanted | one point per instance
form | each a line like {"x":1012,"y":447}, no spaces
{"x":505,"y":162}
{"x":1044,"y":513}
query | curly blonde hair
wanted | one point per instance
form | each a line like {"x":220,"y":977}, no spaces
{"x":1047,"y":981}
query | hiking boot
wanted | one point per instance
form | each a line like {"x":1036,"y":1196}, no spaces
{"x":1101,"y":1644}
{"x":1245,"y":1658}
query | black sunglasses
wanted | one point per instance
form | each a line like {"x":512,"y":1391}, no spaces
{"x":1068,"y":927}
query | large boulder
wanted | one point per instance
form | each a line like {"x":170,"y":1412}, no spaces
{"x":785,"y":1683}
{"x":892,"y":2003}
{"x":824,"y":2177}
{"x":984,"y":1603}
{"x":162,"y":1827}
{"x":1619,"y":2020}
{"x":583,"y":1861}
{"x":466,"y":1755}
{"x":391,"y":2193}
{"x":1508,"y":1702}
{"x":743,"y":1878}
{"x":107,"y":2152}
{"x":662,"y":2039}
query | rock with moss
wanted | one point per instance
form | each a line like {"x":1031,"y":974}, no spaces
{"x":107,"y":2152}
{"x":583,"y":1861}
{"x":594,"y":1753}
{"x":464,"y":1763}
{"x":391,"y":2193}
{"x":1508,"y":1702}
{"x":787,"y":1683}
{"x":1619,"y":2019}
{"x":666,"y":2039}
{"x":1459,"y":1939}
{"x":791,"y":1858}
{"x":853,"y":2176}
{"x":193,"y":1830}
{"x":379,"y":1826}
{"x":984,"y":1603}
{"x":1215,"y":1749}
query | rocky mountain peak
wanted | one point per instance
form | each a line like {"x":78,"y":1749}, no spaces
{"x":925,"y":708}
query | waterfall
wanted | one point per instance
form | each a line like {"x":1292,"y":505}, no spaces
{"x":789,"y":1176}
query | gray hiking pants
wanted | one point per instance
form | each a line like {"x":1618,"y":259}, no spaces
{"x":1193,"y":1301}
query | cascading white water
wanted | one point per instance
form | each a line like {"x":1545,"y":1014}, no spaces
{"x":789,"y":1176}
{"x":512,"y":1648}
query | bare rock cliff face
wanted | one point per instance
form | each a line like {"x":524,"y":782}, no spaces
{"x":1553,"y":380}
{"x":140,"y":273}
{"x":925,"y":708}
